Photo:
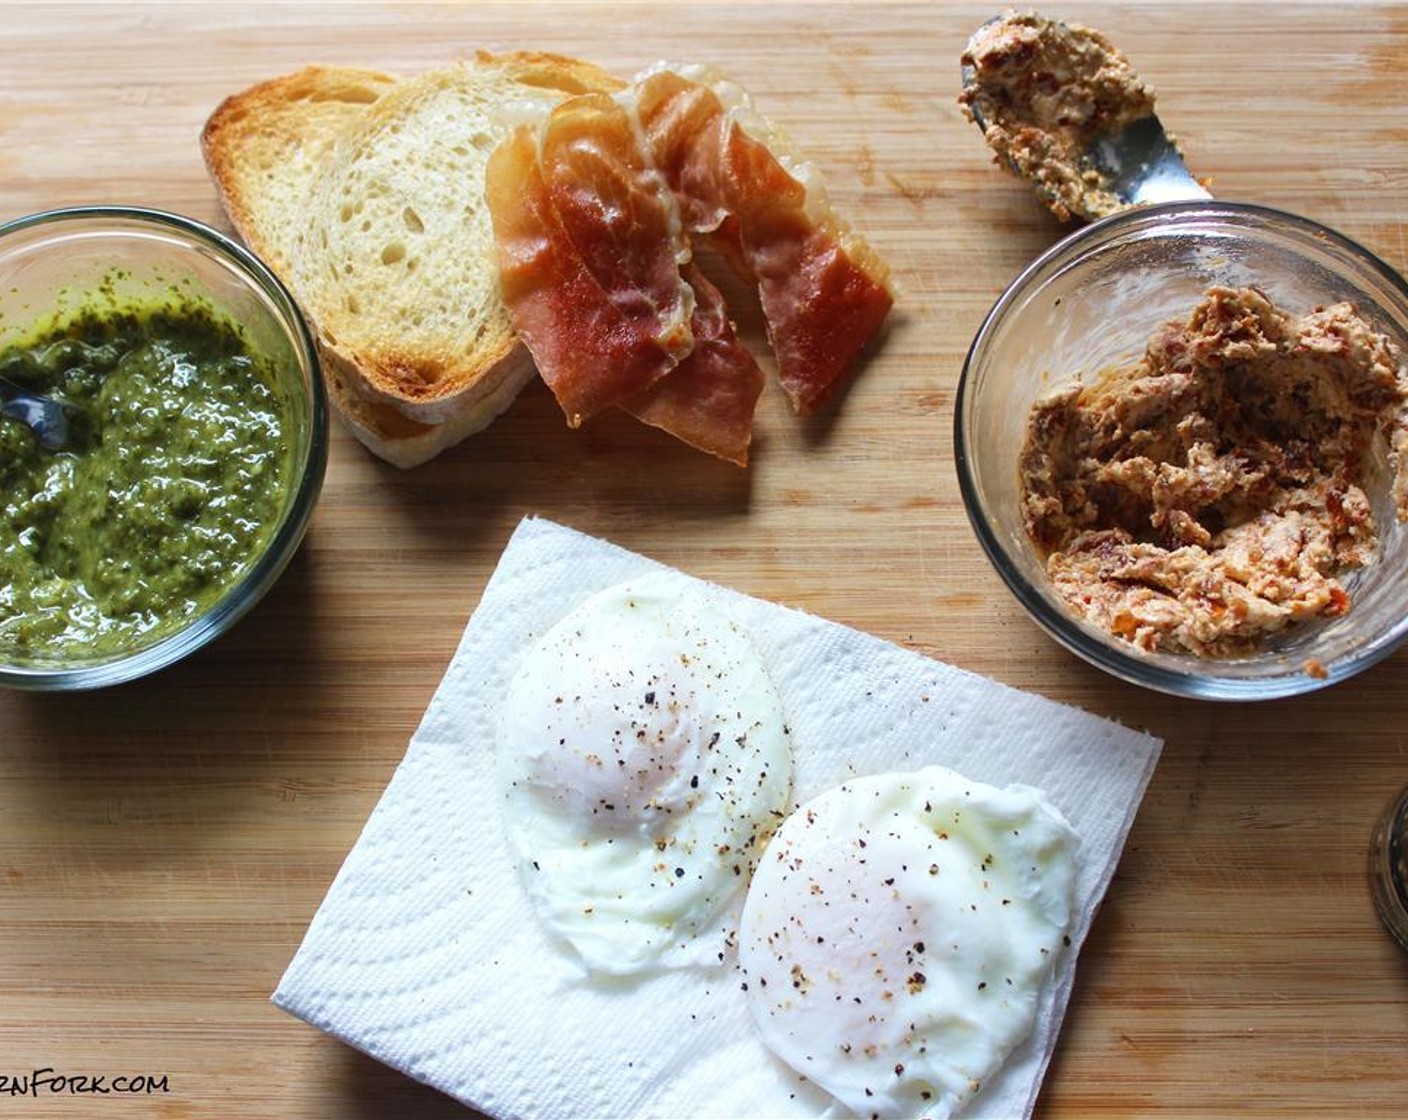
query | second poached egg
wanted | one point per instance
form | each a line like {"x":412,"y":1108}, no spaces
{"x":899,"y":931}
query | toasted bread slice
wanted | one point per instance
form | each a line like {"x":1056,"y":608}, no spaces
{"x":262,"y":146}
{"x":403,"y":442}
{"x":396,"y":262}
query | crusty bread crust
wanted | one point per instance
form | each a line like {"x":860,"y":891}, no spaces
{"x":403,"y":442}
{"x":559,"y":74}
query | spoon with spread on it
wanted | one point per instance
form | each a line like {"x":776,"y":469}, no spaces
{"x":47,"y":418}
{"x":1064,"y":109}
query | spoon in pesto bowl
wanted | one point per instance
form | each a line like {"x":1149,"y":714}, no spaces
{"x":47,"y":418}
{"x":1064,"y":109}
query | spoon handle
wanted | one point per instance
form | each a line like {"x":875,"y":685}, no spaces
{"x":45,"y":417}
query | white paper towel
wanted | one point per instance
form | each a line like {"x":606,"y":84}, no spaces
{"x":426,"y":954}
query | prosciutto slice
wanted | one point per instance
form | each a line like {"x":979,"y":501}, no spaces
{"x":709,"y":398}
{"x":590,"y":246}
{"x":824,"y":292}
{"x":595,"y":270}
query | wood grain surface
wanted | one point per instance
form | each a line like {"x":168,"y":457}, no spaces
{"x":163,"y":845}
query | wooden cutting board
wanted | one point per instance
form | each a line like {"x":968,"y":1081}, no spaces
{"x":163,"y":845}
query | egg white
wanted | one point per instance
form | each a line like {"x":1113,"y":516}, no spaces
{"x":897,"y":934}
{"x":645,"y":761}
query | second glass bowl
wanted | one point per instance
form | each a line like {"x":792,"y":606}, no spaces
{"x":1092,"y":302}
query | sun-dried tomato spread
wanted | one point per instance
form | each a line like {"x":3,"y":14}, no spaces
{"x":1213,"y":492}
{"x":1044,"y":92}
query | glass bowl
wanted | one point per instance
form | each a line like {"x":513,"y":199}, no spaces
{"x":1093,"y":301}
{"x":1388,"y":867}
{"x":51,"y":265}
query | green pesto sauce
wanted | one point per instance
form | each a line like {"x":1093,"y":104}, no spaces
{"x":176,"y":477}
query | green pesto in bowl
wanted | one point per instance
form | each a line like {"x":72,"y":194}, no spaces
{"x":178,"y":470}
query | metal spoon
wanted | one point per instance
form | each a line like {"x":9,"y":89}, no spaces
{"x":1139,"y":164}
{"x":47,"y":418}
{"x":1142,"y":165}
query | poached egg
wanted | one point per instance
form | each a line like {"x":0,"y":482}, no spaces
{"x":898,"y":932}
{"x":645,"y":760}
